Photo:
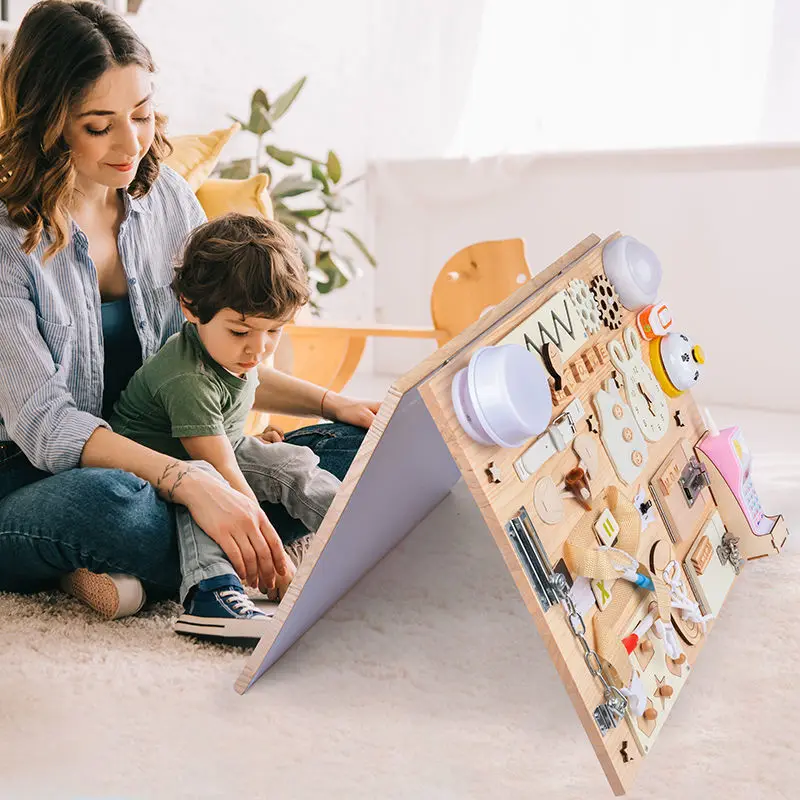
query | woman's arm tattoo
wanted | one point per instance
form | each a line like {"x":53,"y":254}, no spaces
{"x":179,"y":470}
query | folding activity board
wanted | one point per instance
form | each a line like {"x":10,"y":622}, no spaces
{"x":622,"y":514}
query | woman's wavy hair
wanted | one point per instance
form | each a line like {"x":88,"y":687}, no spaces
{"x":60,"y":50}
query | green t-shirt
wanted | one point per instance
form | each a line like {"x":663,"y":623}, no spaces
{"x":181,"y":391}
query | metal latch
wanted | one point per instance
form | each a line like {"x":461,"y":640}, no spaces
{"x":728,"y":551}
{"x":607,"y":715}
{"x":533,"y":558}
{"x":694,"y":478}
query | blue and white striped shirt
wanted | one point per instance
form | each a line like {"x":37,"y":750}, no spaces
{"x":51,"y":330}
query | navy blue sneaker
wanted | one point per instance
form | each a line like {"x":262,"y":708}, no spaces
{"x":220,"y":609}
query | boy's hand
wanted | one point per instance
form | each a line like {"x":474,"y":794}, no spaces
{"x":339,"y":408}
{"x":271,"y":434}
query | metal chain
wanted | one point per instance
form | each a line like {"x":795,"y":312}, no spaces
{"x":616,"y":701}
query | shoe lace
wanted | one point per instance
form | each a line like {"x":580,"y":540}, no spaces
{"x":238,"y":600}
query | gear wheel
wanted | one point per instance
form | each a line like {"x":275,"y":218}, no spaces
{"x":587,"y":307}
{"x":607,"y":302}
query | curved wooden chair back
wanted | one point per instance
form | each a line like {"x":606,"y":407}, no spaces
{"x":474,"y":280}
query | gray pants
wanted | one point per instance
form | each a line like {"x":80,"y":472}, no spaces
{"x":280,"y":472}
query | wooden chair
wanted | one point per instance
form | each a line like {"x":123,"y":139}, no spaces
{"x":471,"y":282}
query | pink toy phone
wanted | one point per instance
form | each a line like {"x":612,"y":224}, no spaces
{"x":729,"y":453}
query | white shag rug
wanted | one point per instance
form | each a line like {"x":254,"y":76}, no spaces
{"x":427,"y":681}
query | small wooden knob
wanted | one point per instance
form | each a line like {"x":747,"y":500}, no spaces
{"x":681,"y":659}
{"x":646,"y":646}
{"x":666,"y":691}
{"x":650,"y":714}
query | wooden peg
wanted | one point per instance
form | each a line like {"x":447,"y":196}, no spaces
{"x":681,"y":659}
{"x":650,"y":714}
{"x":666,"y":691}
{"x":646,"y":646}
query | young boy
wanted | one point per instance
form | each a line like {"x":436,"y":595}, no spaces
{"x":240,"y":281}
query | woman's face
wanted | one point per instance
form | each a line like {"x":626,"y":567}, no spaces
{"x":111,"y":129}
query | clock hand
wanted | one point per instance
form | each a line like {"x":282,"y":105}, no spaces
{"x":647,"y":398}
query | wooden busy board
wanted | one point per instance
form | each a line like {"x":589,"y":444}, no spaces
{"x":417,"y":443}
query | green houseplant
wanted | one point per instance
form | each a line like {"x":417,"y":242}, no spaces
{"x":306,"y":195}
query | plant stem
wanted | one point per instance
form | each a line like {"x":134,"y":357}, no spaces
{"x":258,"y":151}
{"x":322,"y":235}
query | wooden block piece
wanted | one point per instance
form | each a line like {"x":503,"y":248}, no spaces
{"x":590,"y":361}
{"x":579,"y":371}
{"x":672,"y":472}
{"x":601,"y":352}
{"x":702,"y":555}
{"x":606,"y":528}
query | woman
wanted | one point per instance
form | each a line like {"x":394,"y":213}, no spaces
{"x":90,"y":226}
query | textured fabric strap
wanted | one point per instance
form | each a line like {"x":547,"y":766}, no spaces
{"x":583,"y":557}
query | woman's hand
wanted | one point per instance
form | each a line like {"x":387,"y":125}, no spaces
{"x":238,"y":525}
{"x":340,"y":408}
{"x":271,"y":434}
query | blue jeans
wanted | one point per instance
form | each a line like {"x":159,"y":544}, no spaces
{"x":109,"y":520}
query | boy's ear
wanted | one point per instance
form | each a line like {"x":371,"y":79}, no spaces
{"x":186,"y":313}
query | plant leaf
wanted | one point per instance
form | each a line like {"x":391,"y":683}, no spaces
{"x":308,"y":213}
{"x":344,"y":265}
{"x":318,"y":275}
{"x":292,"y":185}
{"x":306,"y":253}
{"x":237,"y":170}
{"x":241,"y":122}
{"x":260,"y":97}
{"x":283,"y":103}
{"x":336,"y":278}
{"x":361,"y":246}
{"x":334,"y":202}
{"x":260,"y":117}
{"x":318,"y":173}
{"x":334,"y":167}
{"x":319,"y":232}
{"x":286,"y":157}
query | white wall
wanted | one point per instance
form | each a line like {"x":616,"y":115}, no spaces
{"x":382,"y":79}
{"x":722,"y":221}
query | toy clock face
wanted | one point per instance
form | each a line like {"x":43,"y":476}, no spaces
{"x":645,"y":397}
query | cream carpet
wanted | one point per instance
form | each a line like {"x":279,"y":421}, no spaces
{"x":427,"y":681}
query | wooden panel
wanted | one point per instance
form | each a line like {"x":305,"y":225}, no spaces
{"x":499,"y":502}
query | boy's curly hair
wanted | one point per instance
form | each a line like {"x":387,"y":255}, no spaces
{"x":246,"y":263}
